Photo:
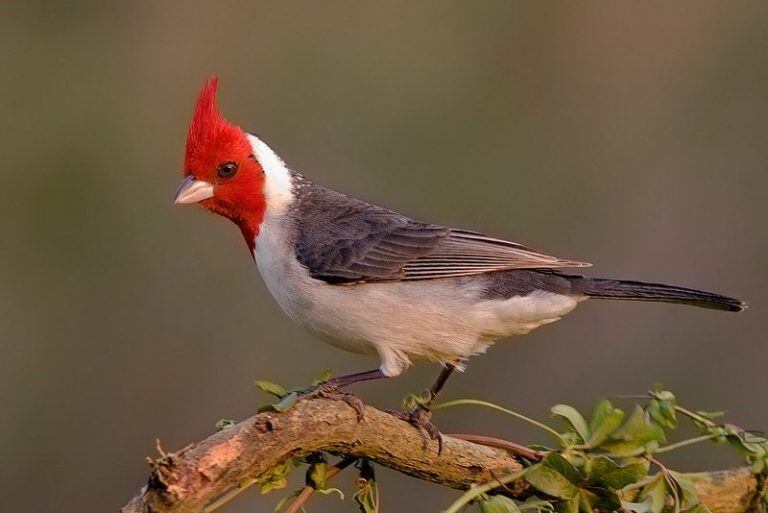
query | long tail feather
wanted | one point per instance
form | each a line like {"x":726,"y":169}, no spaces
{"x":641,"y":291}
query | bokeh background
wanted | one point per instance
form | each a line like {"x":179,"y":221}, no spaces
{"x":628,"y":134}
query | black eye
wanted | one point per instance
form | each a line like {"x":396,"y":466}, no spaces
{"x":227,"y":170}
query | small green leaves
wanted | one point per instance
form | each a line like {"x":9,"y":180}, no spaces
{"x":287,"y":399}
{"x":270,"y":388}
{"x":499,"y":504}
{"x":412,"y":401}
{"x":222,"y":424}
{"x":662,"y":409}
{"x":574,"y":418}
{"x":654,"y":493}
{"x":604,"y":463}
{"x":554,"y":476}
{"x":317,"y":471}
{"x":276,"y":478}
{"x":637,"y":435}
{"x":606,"y":473}
{"x":605,"y":421}
{"x":664,"y":489}
{"x":559,"y":478}
{"x":367,"y":495}
{"x":710,"y":415}
{"x":538,"y":505}
{"x":285,"y":404}
{"x":323,"y":377}
{"x":637,"y":507}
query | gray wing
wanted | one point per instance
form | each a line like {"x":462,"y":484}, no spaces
{"x":342,"y":240}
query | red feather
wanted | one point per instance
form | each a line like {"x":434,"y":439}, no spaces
{"x":211,"y":141}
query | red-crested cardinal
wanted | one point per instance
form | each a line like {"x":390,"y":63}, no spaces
{"x":370,"y":280}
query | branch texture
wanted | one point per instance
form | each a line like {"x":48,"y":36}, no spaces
{"x":187,"y":480}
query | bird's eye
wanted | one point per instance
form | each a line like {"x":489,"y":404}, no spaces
{"x":227,"y":170}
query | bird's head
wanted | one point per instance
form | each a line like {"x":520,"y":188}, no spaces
{"x":221,"y":172}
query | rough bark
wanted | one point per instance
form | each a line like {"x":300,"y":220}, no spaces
{"x":185,"y":481}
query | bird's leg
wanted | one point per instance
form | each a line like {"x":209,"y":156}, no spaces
{"x":330,"y":389}
{"x":421,"y":416}
{"x":348,"y":379}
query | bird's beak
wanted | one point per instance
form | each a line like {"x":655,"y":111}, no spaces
{"x":192,"y":191}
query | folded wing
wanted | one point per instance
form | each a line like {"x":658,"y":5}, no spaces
{"x":343,"y":241}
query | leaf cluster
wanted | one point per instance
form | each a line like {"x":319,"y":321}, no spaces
{"x":604,"y":463}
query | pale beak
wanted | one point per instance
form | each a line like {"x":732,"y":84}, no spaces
{"x":192,"y":191}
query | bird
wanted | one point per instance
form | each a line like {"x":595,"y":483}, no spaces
{"x":372,"y":281}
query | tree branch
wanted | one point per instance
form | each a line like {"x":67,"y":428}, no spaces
{"x":185,"y":481}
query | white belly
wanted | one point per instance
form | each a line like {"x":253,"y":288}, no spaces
{"x":442,"y":320}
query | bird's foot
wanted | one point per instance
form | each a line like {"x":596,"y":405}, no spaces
{"x":420,"y":417}
{"x":331,"y":390}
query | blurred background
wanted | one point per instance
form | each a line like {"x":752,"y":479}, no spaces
{"x":631,"y":135}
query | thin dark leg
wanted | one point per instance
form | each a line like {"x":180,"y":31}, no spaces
{"x":439,"y":383}
{"x":348,"y":379}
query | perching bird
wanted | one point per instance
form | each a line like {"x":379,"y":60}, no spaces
{"x":370,"y":280}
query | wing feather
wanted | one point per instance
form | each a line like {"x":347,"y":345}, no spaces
{"x":343,"y":240}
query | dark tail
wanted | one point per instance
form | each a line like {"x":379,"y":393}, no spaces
{"x":640,"y":291}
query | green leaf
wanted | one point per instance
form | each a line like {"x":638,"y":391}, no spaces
{"x":499,"y":504}
{"x":569,"y":506}
{"x":324,"y":376}
{"x":317,"y":472}
{"x":636,"y":435}
{"x":587,"y":501}
{"x":601,"y":410}
{"x":412,"y":401}
{"x":655,"y":491}
{"x":224,"y":423}
{"x":605,"y":472}
{"x":637,"y":507}
{"x":662,"y":410}
{"x":287,"y":402}
{"x":605,"y":421}
{"x":685,"y":485}
{"x":328,"y":491}
{"x":627,"y":449}
{"x":710,"y":415}
{"x":270,"y":388}
{"x":540,"y":505}
{"x":574,"y":418}
{"x":367,"y":495}
{"x":548,"y":480}
{"x":275,"y":479}
{"x":564,"y":467}
{"x":637,"y":427}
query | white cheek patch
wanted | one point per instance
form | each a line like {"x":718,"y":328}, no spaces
{"x":278,"y":186}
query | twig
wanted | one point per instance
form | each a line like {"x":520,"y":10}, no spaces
{"x":477,"y":402}
{"x":229,"y":495}
{"x":307,"y":492}
{"x":514,"y":448}
{"x":690,"y":441}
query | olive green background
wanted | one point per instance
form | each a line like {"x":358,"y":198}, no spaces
{"x":628,"y":134}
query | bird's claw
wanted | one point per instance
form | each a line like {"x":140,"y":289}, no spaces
{"x":331,"y":391}
{"x":420,"y":417}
